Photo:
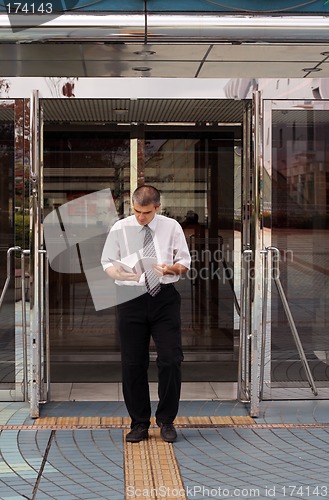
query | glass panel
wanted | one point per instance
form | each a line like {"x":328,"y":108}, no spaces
{"x":300,"y":229}
{"x":195,"y":173}
{"x":77,"y":163}
{"x":7,"y":240}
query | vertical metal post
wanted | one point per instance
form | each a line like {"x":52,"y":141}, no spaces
{"x":256,"y":245}
{"x":47,"y":331}
{"x":246,"y":256}
{"x":24,"y":326}
{"x":35,"y":298}
{"x":264,"y":323}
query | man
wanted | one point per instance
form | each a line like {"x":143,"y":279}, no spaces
{"x":149,"y":306}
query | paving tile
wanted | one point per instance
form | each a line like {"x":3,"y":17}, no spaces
{"x":88,"y":463}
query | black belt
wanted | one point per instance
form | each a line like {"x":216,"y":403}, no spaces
{"x":142,"y":288}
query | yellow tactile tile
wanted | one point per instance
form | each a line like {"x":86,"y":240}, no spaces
{"x":67,"y":421}
{"x":242,"y":420}
{"x":221,"y":420}
{"x":151,"y":469}
{"x":45,"y":421}
{"x":116,"y":421}
{"x":124,"y":422}
{"x":181,"y":421}
{"x":89,"y":421}
{"x":199,"y":420}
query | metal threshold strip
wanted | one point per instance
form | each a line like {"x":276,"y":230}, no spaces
{"x":163,"y":28}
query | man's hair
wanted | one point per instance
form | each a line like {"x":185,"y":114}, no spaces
{"x":145,"y":195}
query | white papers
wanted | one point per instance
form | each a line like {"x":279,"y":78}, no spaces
{"x":134,"y":263}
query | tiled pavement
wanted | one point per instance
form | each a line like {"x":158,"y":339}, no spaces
{"x":282,"y":454}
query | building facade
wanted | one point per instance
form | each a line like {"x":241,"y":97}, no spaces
{"x":225,"y":110}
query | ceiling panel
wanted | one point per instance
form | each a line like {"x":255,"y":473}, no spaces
{"x":40,"y":52}
{"x":256,"y":69}
{"x":267,"y":52}
{"x":157,"y":69}
{"x":149,"y":52}
{"x":165,"y":60}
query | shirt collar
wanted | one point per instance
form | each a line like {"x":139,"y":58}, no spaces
{"x":152,"y":225}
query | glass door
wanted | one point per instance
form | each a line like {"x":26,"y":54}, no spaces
{"x":85,"y":166}
{"x":295,"y":231}
{"x":197,"y":173}
{"x":14,"y":230}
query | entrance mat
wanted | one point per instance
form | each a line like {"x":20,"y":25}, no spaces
{"x":192,"y":371}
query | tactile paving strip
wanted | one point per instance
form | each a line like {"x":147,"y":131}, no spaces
{"x":151,"y":469}
{"x":73,"y":423}
{"x":124,"y":422}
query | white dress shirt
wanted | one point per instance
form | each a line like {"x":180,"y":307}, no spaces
{"x":127,"y":237}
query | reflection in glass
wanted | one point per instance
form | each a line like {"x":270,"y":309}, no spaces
{"x":300,"y":229}
{"x":195,"y":173}
{"x":7,"y":235}
{"x":76,"y":164}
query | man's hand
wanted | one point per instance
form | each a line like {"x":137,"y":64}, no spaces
{"x":164,"y":270}
{"x":121,"y":275}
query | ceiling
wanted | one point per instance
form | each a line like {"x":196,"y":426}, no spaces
{"x":161,"y":60}
{"x":193,"y":45}
{"x":154,"y":111}
{"x":102,"y":111}
{"x":247,"y":51}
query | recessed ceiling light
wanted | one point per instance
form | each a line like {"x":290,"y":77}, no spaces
{"x":142,"y":68}
{"x":309,"y":70}
{"x":120,"y":111}
{"x":145,"y":52}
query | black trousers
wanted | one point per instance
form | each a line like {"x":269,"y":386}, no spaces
{"x":139,"y":319}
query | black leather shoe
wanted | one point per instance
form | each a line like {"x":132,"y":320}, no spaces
{"x":168,"y":432}
{"x":137,"y":433}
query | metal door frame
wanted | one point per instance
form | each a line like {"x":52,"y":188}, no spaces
{"x":251,"y":264}
{"x":39,"y":307}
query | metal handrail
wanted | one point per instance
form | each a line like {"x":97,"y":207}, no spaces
{"x":24,"y":323}
{"x":4,"y":291}
{"x":276,"y":278}
{"x":6,"y":285}
{"x":228,"y":277}
{"x":264,"y":323}
{"x":245,"y":333}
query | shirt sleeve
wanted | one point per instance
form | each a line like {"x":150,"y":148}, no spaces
{"x":181,"y":251}
{"x":111,"y":249}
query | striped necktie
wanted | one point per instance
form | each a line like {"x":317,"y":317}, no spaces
{"x":151,"y":279}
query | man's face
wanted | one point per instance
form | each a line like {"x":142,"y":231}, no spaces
{"x":144,"y":214}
